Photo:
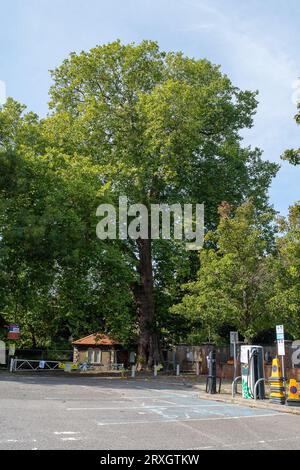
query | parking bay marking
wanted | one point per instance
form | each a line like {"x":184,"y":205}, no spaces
{"x":70,"y":438}
{"x":165,"y":421}
{"x":66,"y":432}
{"x":142,"y":407}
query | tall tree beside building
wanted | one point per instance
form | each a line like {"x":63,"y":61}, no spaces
{"x":164,"y":128}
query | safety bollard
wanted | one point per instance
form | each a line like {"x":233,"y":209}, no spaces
{"x":293,"y":397}
{"x":277,"y":393}
{"x":178,"y":369}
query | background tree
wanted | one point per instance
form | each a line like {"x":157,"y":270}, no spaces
{"x":56,"y":278}
{"x":234,"y":284}
{"x":286,"y":301}
{"x":293,"y":155}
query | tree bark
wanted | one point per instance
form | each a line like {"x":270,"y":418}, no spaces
{"x":149,"y":352}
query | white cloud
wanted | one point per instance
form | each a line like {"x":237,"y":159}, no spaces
{"x":254,"y":55}
{"x":258,"y":52}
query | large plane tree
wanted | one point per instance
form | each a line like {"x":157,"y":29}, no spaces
{"x":163,"y":128}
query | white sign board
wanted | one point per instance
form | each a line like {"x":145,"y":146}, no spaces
{"x":281,"y":348}
{"x":245,"y":352}
{"x":279,"y":332}
{"x":234,"y":337}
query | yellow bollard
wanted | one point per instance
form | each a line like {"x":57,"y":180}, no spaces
{"x":293,"y":398}
{"x":277,"y":394}
{"x":276,"y":369}
{"x":293,"y":389}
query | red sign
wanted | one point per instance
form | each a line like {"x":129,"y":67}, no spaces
{"x":13,"y":331}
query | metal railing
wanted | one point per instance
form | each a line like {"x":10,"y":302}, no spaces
{"x":233,"y":385}
{"x":256,"y":385}
{"x":266,"y":380}
{"x":263,"y":379}
{"x":117,"y":366}
{"x":33,"y":365}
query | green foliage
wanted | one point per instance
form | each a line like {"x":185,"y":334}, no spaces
{"x":164,"y":128}
{"x":293,"y":155}
{"x":57,"y":279}
{"x":234,"y":282}
{"x":125,"y":120}
{"x":286,"y":301}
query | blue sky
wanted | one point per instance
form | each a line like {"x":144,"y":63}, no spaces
{"x":256,"y":43}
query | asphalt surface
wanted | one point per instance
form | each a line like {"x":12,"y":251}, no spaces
{"x":38,"y":412}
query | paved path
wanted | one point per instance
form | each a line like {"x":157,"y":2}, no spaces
{"x":38,"y":412}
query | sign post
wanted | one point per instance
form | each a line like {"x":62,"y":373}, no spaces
{"x":234,"y":338}
{"x":280,"y":345}
{"x":12,"y":349}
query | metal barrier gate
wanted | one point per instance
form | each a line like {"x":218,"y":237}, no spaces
{"x":32,"y":365}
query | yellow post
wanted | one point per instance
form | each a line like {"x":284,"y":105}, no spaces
{"x":293,"y":398}
{"x":276,"y":369}
{"x":293,"y":389}
{"x":277,"y":394}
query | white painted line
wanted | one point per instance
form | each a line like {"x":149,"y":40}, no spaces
{"x":54,"y":398}
{"x":133,"y":397}
{"x":66,"y":432}
{"x":17,"y":440}
{"x":165,"y":401}
{"x":70,"y":438}
{"x":146,"y":407}
{"x":201,"y":448}
{"x":170,"y":393}
{"x":165,"y":421}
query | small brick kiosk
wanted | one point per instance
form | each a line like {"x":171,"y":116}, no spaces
{"x":103,"y":352}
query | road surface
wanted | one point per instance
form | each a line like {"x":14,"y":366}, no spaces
{"x":38,"y":412}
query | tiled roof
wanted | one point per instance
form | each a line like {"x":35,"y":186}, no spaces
{"x":97,"y":339}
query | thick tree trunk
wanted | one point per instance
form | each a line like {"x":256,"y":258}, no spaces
{"x":148,"y":343}
{"x":33,"y":339}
